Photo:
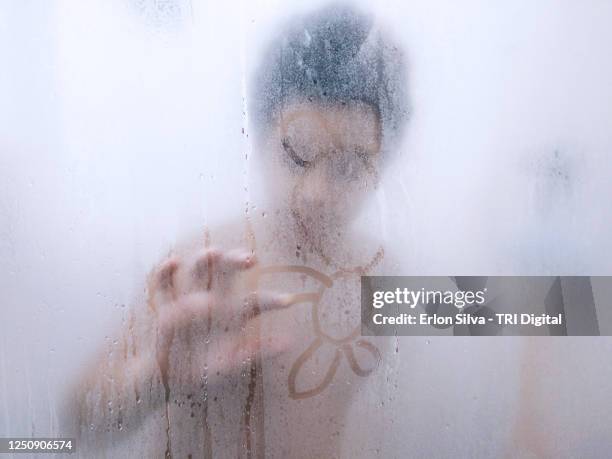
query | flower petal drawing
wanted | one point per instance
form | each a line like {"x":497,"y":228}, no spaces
{"x":352,"y":360}
{"x":296,"y":394}
{"x":341,"y":345}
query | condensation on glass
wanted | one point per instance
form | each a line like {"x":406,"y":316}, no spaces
{"x":163,"y":160}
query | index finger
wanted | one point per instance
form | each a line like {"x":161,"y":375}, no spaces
{"x":213,"y":264}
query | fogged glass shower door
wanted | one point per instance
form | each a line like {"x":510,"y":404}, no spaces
{"x":191,"y":192}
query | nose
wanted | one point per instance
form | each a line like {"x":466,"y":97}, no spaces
{"x":316,"y":184}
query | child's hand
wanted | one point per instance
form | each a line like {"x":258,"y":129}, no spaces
{"x":206,"y":327}
{"x":204,"y":310}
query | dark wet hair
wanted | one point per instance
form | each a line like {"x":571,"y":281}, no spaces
{"x":334,"y":55}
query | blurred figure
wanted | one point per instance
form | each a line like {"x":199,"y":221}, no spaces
{"x":267,"y":306}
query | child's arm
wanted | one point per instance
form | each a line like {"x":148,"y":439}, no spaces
{"x":122,"y":387}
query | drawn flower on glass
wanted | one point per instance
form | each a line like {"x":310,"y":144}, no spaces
{"x":362,"y":364}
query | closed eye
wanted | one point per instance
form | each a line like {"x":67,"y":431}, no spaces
{"x":293,"y":155}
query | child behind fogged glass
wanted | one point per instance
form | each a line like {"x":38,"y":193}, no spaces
{"x":249,"y":341}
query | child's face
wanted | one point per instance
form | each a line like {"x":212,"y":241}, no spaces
{"x":323,"y":160}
